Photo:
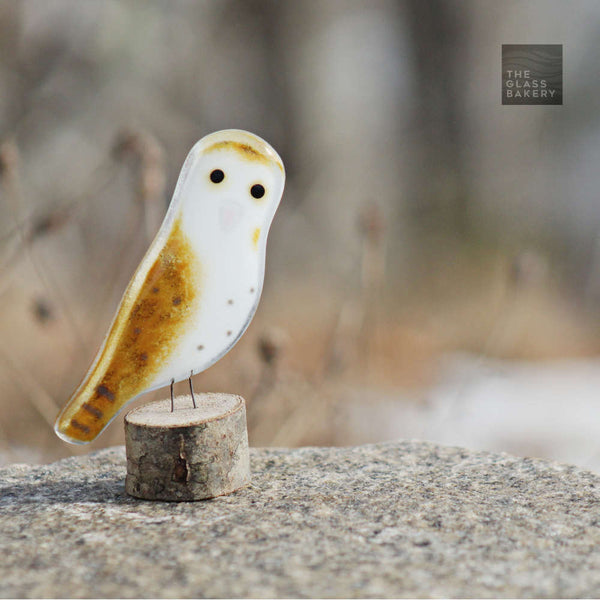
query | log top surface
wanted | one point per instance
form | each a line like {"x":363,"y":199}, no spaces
{"x":210,"y":406}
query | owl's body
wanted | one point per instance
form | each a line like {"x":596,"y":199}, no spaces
{"x":196,"y":290}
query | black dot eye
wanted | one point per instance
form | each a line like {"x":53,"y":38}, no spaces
{"x":257,"y":191}
{"x":217,"y":176}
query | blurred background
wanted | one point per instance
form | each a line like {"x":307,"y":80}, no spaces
{"x":434,"y":268}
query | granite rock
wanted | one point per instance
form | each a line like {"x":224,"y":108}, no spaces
{"x":385,"y":520}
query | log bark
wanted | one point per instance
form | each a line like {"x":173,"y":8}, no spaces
{"x":190,"y":453}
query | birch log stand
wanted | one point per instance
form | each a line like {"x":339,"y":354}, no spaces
{"x":190,"y":453}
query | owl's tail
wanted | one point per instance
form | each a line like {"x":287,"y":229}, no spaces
{"x":87,"y":413}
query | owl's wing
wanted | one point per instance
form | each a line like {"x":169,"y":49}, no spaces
{"x":150,"y":321}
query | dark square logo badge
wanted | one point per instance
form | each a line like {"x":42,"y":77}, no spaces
{"x":532,"y":74}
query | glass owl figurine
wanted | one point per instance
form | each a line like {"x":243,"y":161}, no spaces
{"x":196,"y":289}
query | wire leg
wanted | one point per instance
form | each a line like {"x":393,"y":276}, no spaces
{"x":172,"y":399}
{"x":192,"y":389}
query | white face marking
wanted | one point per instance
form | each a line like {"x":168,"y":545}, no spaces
{"x":227,"y":198}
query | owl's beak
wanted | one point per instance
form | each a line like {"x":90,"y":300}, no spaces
{"x":230,"y":214}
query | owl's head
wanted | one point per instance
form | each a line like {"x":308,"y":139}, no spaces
{"x":231,"y":181}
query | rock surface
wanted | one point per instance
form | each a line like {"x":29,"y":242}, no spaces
{"x":387,"y":520}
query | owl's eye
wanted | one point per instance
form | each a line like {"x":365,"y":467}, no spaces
{"x":217,"y":176}
{"x":257,"y":191}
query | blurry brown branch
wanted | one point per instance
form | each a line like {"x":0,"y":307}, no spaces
{"x":144,"y":151}
{"x":28,"y":230}
{"x":35,"y":392}
{"x":12,"y":186}
{"x":354,"y":335}
{"x":271,"y":347}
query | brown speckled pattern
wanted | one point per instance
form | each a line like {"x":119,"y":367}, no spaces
{"x":147,"y":328}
